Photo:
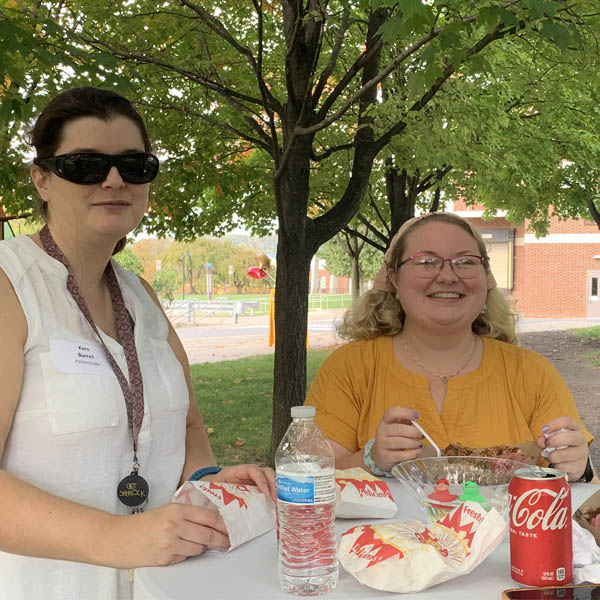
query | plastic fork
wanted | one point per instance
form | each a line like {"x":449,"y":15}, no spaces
{"x":435,"y":446}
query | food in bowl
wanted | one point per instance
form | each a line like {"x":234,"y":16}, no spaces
{"x":508,"y":452}
{"x":439,"y":484}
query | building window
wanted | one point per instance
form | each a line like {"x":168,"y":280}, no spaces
{"x":594,"y":286}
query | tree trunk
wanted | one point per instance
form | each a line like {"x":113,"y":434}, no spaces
{"x":355,"y":274}
{"x":291,"y":316}
{"x":401,"y":203}
{"x":299,"y":237}
{"x":594,"y":211}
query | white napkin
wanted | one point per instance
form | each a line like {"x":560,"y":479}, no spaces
{"x":586,"y":556}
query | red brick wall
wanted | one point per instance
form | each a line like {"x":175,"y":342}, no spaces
{"x":549,"y":278}
{"x":341,"y":284}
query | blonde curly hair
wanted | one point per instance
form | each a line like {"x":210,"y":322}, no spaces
{"x":378,"y":311}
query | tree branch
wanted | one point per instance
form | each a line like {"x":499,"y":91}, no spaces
{"x":323,"y":122}
{"x":369,"y":227}
{"x":382,"y":220}
{"x":219,"y":29}
{"x":335,"y":51}
{"x":192,"y":76}
{"x":365,"y":238}
{"x":253,"y":124}
{"x":594,"y":211}
{"x":433,"y":178}
{"x":221,"y":124}
{"x":487,"y":39}
{"x":265,"y":94}
{"x":327,"y":153}
{"x":299,"y":88}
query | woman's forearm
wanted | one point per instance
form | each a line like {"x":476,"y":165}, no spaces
{"x":36,"y":523}
{"x":198,"y":452}
{"x":352,"y":460}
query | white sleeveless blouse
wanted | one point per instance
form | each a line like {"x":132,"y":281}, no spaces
{"x":70,"y":435}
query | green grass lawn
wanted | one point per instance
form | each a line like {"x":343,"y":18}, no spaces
{"x":235,"y":397}
{"x":591,"y":333}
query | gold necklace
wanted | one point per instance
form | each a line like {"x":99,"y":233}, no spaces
{"x":444,"y":377}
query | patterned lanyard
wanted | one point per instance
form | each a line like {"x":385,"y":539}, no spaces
{"x":133,"y":489}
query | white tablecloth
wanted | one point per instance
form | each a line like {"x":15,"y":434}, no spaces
{"x":250,"y":571}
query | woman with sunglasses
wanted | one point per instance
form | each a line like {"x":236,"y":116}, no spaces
{"x":434,"y":343}
{"x":98,"y":421}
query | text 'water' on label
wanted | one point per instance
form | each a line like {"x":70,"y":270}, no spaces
{"x":310,"y":489}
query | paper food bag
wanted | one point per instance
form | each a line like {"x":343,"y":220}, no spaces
{"x":410,"y":556}
{"x":360,"y":495}
{"x":247,"y":512}
{"x":588,"y":516}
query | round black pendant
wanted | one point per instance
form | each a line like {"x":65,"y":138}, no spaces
{"x":133,"y":490}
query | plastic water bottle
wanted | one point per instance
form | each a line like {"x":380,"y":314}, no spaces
{"x":304,"y":464}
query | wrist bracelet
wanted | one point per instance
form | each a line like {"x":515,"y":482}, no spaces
{"x":202,"y":472}
{"x":588,"y":474}
{"x":370,"y":463}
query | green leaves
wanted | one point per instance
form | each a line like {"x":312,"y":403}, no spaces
{"x":556,"y":33}
{"x":213,"y":172}
{"x":413,"y":17}
{"x":540,"y":8}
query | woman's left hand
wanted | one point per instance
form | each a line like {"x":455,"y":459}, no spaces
{"x":572,"y":460}
{"x":262,"y":477}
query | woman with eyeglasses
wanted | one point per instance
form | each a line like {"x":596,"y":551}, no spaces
{"x":98,"y":421}
{"x":434,"y":343}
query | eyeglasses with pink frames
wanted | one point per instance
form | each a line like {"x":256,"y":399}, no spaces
{"x":428,"y":265}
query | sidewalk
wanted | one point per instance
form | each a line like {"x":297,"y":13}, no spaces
{"x":218,"y":338}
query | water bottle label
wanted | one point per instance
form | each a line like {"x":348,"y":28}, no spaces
{"x":309,"y":489}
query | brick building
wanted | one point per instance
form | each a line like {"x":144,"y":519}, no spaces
{"x":551,"y":277}
{"x":323,"y":282}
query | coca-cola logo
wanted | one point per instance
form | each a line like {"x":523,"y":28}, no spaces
{"x":526,"y":511}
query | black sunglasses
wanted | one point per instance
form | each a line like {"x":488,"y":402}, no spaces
{"x":89,"y":168}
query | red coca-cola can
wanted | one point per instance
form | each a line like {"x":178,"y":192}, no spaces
{"x":541,"y":547}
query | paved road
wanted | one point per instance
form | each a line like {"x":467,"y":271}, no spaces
{"x":218,"y":338}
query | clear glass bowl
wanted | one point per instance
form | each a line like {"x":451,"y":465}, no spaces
{"x":426,"y":478}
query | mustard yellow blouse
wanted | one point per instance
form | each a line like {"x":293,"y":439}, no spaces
{"x":506,"y":400}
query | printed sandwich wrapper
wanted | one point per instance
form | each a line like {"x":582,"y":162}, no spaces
{"x":592,"y":503}
{"x":530,"y":450}
{"x":360,"y":495}
{"x":247,"y":512}
{"x":410,"y":556}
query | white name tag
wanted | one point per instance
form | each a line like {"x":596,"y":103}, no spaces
{"x":76,"y":357}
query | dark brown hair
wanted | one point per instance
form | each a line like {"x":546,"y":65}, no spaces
{"x":87,"y":101}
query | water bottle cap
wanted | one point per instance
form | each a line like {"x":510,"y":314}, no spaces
{"x":303,"y":412}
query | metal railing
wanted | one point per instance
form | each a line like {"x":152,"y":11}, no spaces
{"x":193,"y":311}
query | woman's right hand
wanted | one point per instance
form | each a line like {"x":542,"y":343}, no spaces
{"x":397,"y":439}
{"x":167,"y":535}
